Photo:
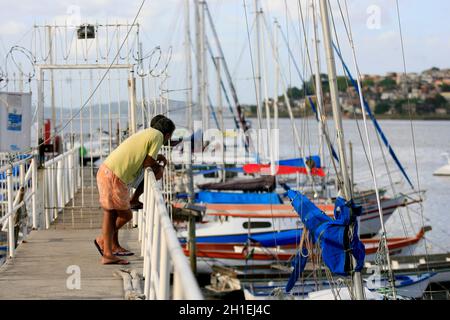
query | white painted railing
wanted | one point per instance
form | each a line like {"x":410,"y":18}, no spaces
{"x":62,"y":175}
{"x":19,"y":188}
{"x":162,"y":251}
{"x":60,"y":182}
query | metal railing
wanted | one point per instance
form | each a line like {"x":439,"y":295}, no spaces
{"x":162,"y":251}
{"x":61,"y":181}
{"x":19,"y":189}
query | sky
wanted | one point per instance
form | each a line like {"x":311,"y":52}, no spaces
{"x":374,"y":26}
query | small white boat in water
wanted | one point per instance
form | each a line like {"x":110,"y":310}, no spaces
{"x":445,"y":170}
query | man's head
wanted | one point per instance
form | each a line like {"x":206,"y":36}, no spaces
{"x":155,"y":119}
{"x":166,"y":127}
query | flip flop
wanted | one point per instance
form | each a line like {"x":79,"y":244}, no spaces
{"x":136,"y":206}
{"x":98,"y":247}
{"x":119,"y":261}
{"x":123,"y":253}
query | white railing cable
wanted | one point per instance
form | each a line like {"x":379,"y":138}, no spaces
{"x":162,"y":251}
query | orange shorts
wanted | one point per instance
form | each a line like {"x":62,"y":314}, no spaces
{"x":114,"y":194}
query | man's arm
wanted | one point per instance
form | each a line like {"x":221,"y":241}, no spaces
{"x":156,"y":168}
{"x":150,"y":162}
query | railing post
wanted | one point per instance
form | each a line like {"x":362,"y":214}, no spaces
{"x":11,"y":240}
{"x":148,"y":235}
{"x":34,"y":191}
{"x":59,"y":191}
{"x":22,"y":175}
{"x":164,"y":277}
{"x":47,"y":201}
{"x":66,"y":179}
{"x":139,"y":223}
{"x":177,"y":286}
{"x":148,"y":239}
{"x":155,"y":252}
{"x":54,"y":190}
{"x":144,"y":223}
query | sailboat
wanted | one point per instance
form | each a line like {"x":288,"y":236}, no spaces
{"x":445,"y":170}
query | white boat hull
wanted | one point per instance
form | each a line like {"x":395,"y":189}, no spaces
{"x":443,"y":171}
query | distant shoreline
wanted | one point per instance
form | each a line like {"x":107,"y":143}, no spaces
{"x":428,"y":117}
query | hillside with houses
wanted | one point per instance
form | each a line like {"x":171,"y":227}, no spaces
{"x":424,"y":95}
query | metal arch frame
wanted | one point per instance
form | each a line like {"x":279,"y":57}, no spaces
{"x":43,"y":67}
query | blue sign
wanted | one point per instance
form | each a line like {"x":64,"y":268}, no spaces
{"x":14,"y":122}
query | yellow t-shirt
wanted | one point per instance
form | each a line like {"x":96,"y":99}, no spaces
{"x":128,"y":158}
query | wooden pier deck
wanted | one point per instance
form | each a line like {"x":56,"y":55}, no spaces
{"x":42,"y":266}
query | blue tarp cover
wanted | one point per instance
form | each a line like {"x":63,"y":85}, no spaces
{"x":332,"y":234}
{"x":238,"y":198}
{"x":281,"y":238}
{"x":300,"y":162}
{"x":299,"y":264}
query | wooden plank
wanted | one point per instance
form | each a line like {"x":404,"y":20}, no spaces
{"x":40,"y":269}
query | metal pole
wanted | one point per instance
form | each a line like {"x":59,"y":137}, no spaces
{"x":204,"y":102}
{"x":143,"y":101}
{"x":319,"y":95}
{"x":40,"y":112}
{"x":132,"y":97}
{"x":220,"y":112}
{"x":11,"y":240}
{"x":198,"y":49}
{"x":52,"y":82}
{"x":277,"y":78}
{"x":258,"y":74}
{"x":189,"y":109}
{"x":187,"y":47}
{"x":345,"y":181}
{"x":192,"y":245}
{"x":34,"y":191}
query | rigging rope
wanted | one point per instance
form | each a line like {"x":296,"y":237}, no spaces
{"x":410,"y":118}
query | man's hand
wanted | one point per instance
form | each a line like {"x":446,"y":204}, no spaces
{"x":161,"y":158}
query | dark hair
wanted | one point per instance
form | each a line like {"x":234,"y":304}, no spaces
{"x":155,"y":119}
{"x":165,"y":126}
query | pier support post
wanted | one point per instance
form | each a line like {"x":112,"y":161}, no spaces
{"x":192,"y":245}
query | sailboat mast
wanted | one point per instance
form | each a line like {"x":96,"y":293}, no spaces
{"x":189,"y":109}
{"x":319,"y":93}
{"x":344,"y":179}
{"x":277,"y":77}
{"x":187,"y":48}
{"x":200,"y":59}
{"x":258,"y":73}
{"x":318,"y":81}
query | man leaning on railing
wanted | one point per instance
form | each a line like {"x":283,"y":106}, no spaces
{"x":120,"y":169}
